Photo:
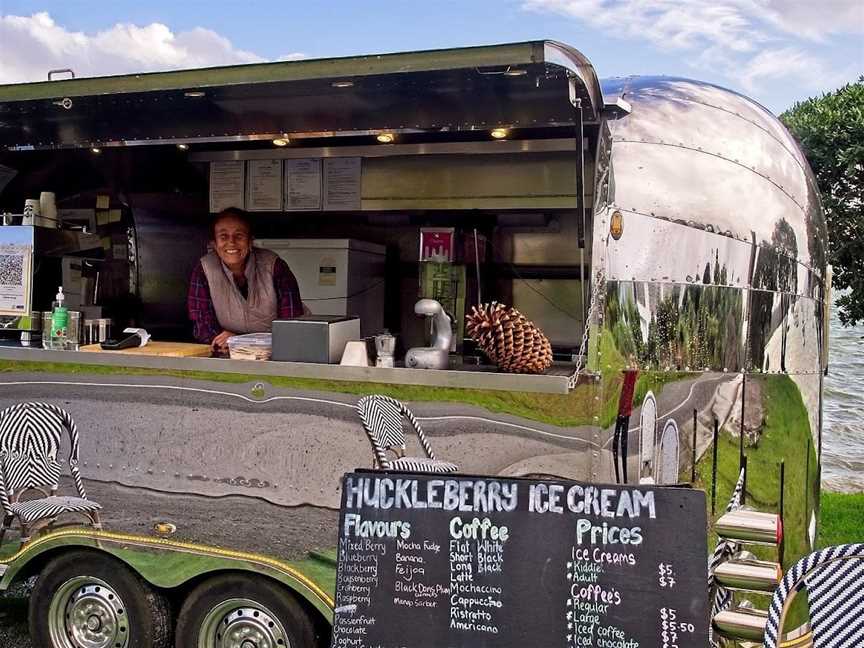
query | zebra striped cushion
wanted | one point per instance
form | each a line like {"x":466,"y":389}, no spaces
{"x":49,"y":507}
{"x":421,"y":464}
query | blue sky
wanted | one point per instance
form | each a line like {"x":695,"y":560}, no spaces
{"x":776,"y":51}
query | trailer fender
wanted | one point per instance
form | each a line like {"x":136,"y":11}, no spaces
{"x":168,"y":564}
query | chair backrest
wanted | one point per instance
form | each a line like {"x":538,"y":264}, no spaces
{"x":30,"y":437}
{"x":383,"y":419}
{"x":834,"y":581}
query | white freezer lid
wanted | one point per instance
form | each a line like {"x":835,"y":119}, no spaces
{"x":322,"y":244}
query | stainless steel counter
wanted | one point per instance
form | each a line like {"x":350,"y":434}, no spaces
{"x":466,"y":378}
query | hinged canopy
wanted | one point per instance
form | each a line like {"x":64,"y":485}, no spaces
{"x":521,"y":85}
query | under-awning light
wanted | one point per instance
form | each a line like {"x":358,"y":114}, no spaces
{"x":280,"y":141}
{"x":193,"y":94}
{"x":515,"y":72}
{"x":342,"y":84}
{"x":96,"y":150}
{"x":385,"y":138}
{"x":499,"y":133}
{"x":183,"y":147}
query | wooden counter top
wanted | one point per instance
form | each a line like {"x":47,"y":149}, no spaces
{"x":163,"y":349}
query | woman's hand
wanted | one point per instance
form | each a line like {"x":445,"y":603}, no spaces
{"x":220,"y":342}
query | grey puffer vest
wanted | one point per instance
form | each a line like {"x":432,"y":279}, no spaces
{"x":255,"y":313}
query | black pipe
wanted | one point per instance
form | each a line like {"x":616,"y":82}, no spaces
{"x":780,"y":549}
{"x":714,"y":468}
{"x":693,"y":464}
{"x":741,"y":440}
{"x":807,"y":485}
{"x":744,"y":484}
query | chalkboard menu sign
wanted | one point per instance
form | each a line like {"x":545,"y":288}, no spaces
{"x":431,"y":561}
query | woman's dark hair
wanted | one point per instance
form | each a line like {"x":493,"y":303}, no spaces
{"x":232,"y":212}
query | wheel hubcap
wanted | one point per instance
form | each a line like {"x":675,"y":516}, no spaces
{"x":241,"y":623}
{"x":86,"y":612}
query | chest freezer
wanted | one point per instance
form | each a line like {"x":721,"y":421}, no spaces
{"x":343,"y":277}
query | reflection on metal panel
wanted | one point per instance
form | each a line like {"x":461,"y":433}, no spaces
{"x":647,"y":432}
{"x":785,"y":333}
{"x":709,"y":158}
{"x":670,"y":183}
{"x":687,"y":255}
{"x":676,"y":327}
{"x":667,"y":464}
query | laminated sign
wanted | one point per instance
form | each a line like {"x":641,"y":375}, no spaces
{"x":431,"y":561}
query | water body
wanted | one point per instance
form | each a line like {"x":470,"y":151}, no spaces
{"x":843,"y":429}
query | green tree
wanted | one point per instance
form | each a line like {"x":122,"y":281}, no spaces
{"x":830,"y":130}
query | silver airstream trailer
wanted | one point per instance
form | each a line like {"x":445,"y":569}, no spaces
{"x":665,"y":234}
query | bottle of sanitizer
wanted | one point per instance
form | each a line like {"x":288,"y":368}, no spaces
{"x":59,"y":320}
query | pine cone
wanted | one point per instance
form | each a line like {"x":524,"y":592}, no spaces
{"x":512,"y":341}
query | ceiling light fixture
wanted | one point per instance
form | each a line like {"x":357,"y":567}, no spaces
{"x":96,"y":150}
{"x":516,"y":72}
{"x":342,"y":84}
{"x":183,"y":147}
{"x":385,"y":138}
{"x":193,"y":94}
{"x":499,"y":133}
{"x":280,"y":141}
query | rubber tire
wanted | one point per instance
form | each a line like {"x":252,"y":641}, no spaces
{"x":147,"y":610}
{"x":277,"y":599}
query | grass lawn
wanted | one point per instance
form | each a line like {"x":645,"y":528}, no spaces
{"x":842,"y":518}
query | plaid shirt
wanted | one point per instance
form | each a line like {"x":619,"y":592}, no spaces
{"x":199,"y":304}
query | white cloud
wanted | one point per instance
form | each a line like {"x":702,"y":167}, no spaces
{"x":32,"y":45}
{"x":748,"y":41}
{"x":786,"y":63}
{"x":816,"y":20}
{"x":670,"y":24}
{"x":293,"y":56}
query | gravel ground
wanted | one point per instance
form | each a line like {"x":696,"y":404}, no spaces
{"x":13,"y":617}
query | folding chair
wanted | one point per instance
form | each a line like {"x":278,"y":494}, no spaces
{"x":30,"y":435}
{"x":383,"y":419}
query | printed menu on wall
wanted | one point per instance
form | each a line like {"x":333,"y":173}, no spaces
{"x":342,"y":183}
{"x":431,"y":561}
{"x":264,"y":185}
{"x":226,"y":185}
{"x":303,"y":184}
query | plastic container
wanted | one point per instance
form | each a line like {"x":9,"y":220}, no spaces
{"x":252,"y":346}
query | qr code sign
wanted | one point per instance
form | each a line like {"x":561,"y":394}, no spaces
{"x":11,"y":270}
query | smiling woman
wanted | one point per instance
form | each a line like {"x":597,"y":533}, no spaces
{"x":237,"y":289}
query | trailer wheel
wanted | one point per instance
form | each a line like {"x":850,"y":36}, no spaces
{"x":239,"y":611}
{"x":87,"y":600}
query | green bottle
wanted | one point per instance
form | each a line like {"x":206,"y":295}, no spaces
{"x":59,"y":320}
